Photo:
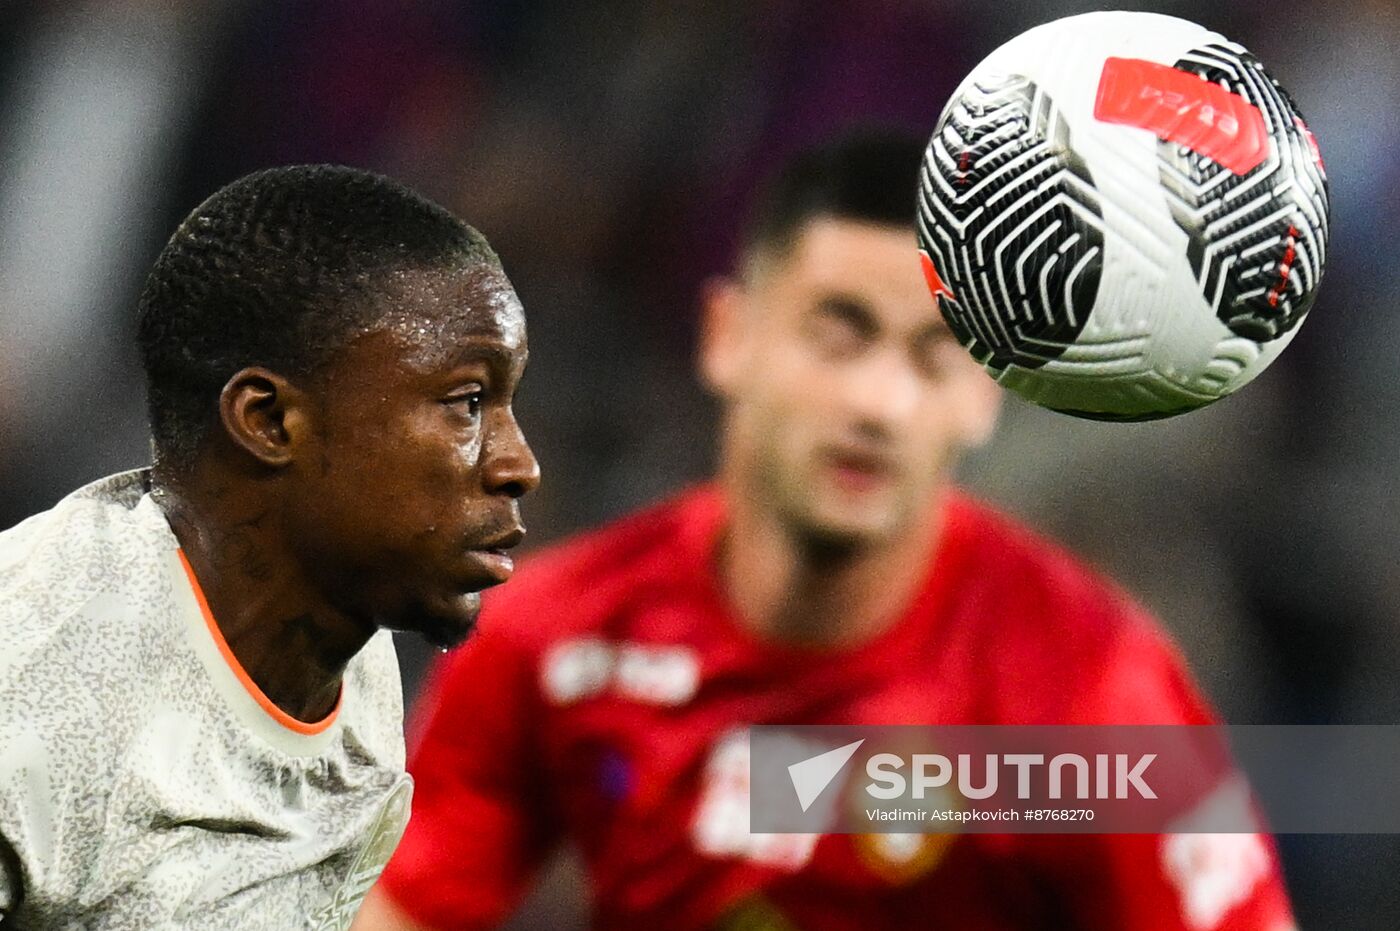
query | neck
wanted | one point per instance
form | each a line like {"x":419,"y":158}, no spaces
{"x":790,"y":590}
{"x":285,"y":635}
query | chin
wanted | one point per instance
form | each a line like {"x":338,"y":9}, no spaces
{"x":446,"y":625}
{"x":824,"y":515}
{"x":855,"y":522}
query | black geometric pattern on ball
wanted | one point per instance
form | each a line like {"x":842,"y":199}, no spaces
{"x":1256,"y":242}
{"x":1010,"y":217}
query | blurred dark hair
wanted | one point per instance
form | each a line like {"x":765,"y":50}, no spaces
{"x":869,"y":175}
{"x":280,"y":269}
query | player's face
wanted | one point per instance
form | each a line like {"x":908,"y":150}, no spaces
{"x":847,"y":395}
{"x":409,"y":484}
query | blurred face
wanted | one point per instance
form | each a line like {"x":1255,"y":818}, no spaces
{"x":405,"y":493}
{"x":847,"y":396}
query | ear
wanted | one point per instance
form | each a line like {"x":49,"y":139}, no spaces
{"x":722,"y":334}
{"x":264,"y":415}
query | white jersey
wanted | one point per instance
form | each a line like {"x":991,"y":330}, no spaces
{"x":145,"y":782}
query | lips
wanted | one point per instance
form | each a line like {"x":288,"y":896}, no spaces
{"x":503,"y":541}
{"x":494,"y":563}
{"x":859,"y":470}
{"x":491,"y":557}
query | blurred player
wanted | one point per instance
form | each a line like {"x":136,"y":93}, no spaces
{"x":830,"y":576}
{"x":200,"y":710}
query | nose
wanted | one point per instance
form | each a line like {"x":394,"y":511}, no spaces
{"x":883,"y":389}
{"x":511,"y":468}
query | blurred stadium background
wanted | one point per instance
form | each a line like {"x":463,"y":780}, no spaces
{"x":608,"y":149}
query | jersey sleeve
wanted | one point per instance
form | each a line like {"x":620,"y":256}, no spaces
{"x":1160,"y":882}
{"x":479,"y":828}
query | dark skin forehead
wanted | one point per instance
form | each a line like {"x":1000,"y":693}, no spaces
{"x":443,"y":318}
{"x":434,"y":329}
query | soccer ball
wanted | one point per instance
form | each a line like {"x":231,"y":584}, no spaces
{"x":1122,"y":215}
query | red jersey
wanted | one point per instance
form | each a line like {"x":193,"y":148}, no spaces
{"x":606,"y":700}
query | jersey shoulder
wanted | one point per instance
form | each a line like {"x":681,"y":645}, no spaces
{"x":85,"y":645}
{"x":1061,"y":641}
{"x":570,"y":586}
{"x":1030,"y":570}
{"x":95,"y":552}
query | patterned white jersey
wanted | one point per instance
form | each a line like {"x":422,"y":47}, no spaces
{"x":145,"y":782}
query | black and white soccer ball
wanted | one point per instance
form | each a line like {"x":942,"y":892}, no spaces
{"x":1122,"y":215}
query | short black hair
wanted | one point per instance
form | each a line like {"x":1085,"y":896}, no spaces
{"x":278,"y":269}
{"x":870,"y":175}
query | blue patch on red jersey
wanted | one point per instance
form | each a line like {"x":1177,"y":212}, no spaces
{"x":616,"y":775}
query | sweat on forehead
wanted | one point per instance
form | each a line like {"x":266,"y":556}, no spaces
{"x":278,"y":269}
{"x":438,"y":311}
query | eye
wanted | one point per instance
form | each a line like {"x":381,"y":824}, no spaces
{"x":836,"y":330}
{"x":467,"y":400}
{"x":937,"y":354}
